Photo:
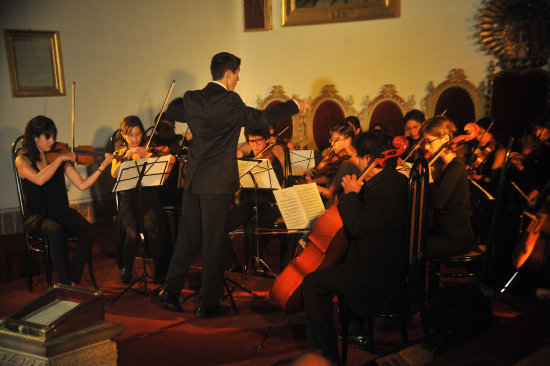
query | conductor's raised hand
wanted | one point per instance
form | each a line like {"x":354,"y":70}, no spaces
{"x":351,"y":184}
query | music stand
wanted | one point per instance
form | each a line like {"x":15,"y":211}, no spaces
{"x":258,"y":174}
{"x":301,"y":161}
{"x":145,"y":172}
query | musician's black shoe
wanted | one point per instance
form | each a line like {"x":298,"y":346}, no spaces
{"x":211,"y":312}
{"x":125,"y":277}
{"x":167,"y":300}
{"x":359,"y":342}
{"x":236,"y":268}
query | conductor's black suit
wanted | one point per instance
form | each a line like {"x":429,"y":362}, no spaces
{"x":215,"y":117}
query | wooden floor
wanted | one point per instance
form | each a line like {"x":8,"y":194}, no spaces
{"x":157,"y":336}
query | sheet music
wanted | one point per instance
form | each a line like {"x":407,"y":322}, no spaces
{"x":50,"y":312}
{"x":155,"y":171}
{"x":263,"y":173}
{"x":299,"y":205}
{"x":311,"y":200}
{"x":301,"y":160}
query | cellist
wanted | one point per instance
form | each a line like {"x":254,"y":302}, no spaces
{"x":373,"y":214}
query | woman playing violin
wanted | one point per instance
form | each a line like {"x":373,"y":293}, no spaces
{"x":47,"y":211}
{"x":449,"y":190}
{"x":340,"y":140}
{"x":373,"y":213}
{"x":129,"y":220}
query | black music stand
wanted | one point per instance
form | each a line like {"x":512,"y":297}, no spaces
{"x":145,"y":172}
{"x":258,"y":174}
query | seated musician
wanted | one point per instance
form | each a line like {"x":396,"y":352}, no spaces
{"x":268,"y":212}
{"x":165,"y":135}
{"x":373,"y":214}
{"x":449,"y":191}
{"x":277,"y":149}
{"x":47,"y":211}
{"x":413,"y":121}
{"x":137,"y":216}
{"x":340,"y":140}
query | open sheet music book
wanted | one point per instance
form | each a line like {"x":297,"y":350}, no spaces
{"x":156,"y":172}
{"x":299,"y":205}
{"x":301,"y":161}
{"x":259,"y":171}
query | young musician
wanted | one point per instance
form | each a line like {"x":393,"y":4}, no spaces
{"x":340,"y":140}
{"x":133,"y":212}
{"x":373,"y":214}
{"x":47,"y":211}
{"x":449,"y":191}
{"x":413,"y":121}
{"x":243,"y":213}
{"x":215,"y":116}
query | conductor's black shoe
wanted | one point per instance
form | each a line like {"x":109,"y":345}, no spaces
{"x":167,"y":300}
{"x":125,"y":277}
{"x":211,"y":312}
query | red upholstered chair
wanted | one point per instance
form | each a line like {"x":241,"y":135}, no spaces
{"x":461,"y":100}
{"x":278,"y":96}
{"x":327,"y":110}
{"x":387,"y":109}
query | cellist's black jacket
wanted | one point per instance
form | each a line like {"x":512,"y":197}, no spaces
{"x":374,"y":223}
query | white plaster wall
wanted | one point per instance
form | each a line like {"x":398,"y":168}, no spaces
{"x":123,"y":54}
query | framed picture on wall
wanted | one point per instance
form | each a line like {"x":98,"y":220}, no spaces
{"x":35,"y":63}
{"x":304,"y":12}
{"x":257,"y":15}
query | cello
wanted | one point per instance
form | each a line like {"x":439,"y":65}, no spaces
{"x":326,"y":245}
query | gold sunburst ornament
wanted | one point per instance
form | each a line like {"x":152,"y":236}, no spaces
{"x":517,"y":32}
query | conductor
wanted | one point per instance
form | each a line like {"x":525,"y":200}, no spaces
{"x":215,"y":116}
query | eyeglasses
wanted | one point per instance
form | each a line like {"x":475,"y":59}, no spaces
{"x":256,"y":141}
{"x":334,"y":140}
{"x":428,"y":142}
{"x":412,"y":128}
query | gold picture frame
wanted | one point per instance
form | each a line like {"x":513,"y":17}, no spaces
{"x":305,"y":12}
{"x":257,"y":15}
{"x":35,"y":63}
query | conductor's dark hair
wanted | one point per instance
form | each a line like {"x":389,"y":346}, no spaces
{"x":222,"y":62}
{"x":415,"y":115}
{"x":39,"y":125}
{"x":262,"y":132}
{"x":372,"y":143}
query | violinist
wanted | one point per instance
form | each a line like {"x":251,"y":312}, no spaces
{"x":413,"y":121}
{"x":128,"y":222}
{"x":47,"y":211}
{"x":276,"y":146}
{"x":373,"y":214}
{"x":449,"y":191}
{"x":345,"y":155}
{"x":268,"y":212}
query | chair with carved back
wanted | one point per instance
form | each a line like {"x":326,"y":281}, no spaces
{"x":327,"y":110}
{"x":411,"y":291}
{"x":461,"y":101}
{"x":34,"y":243}
{"x":387,"y":109}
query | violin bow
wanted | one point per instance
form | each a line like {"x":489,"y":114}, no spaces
{"x":160,"y":114}
{"x":73,"y":110}
{"x":271,"y":144}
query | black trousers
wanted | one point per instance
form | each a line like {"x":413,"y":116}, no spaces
{"x":203,"y":224}
{"x":56,"y":229}
{"x":318,"y":290}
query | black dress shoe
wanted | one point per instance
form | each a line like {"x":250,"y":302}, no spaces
{"x":125,"y":277}
{"x":236,"y":268}
{"x":168,"y":300}
{"x":359,"y":342}
{"x":211,"y":312}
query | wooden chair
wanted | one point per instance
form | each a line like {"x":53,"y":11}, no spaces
{"x":413,"y":263}
{"x":34,"y":243}
{"x":387,"y":109}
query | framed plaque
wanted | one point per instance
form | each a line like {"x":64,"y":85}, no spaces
{"x":35,"y":63}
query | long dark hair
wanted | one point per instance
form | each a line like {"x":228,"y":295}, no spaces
{"x":39,"y":125}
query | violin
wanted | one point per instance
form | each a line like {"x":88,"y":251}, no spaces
{"x":85,"y":154}
{"x":326,"y":245}
{"x":330,"y":161}
{"x":264,"y":153}
{"x":471,"y":131}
